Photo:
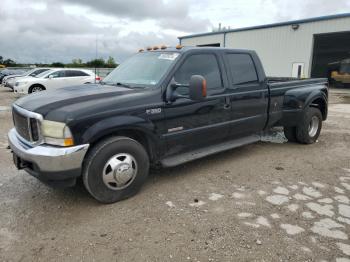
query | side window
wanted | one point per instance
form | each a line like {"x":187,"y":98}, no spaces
{"x":242,"y":69}
{"x":201,"y":64}
{"x":57,"y":74}
{"x":75,"y":73}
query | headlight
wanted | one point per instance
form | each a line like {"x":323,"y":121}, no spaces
{"x":56,"y":133}
{"x":20,"y":83}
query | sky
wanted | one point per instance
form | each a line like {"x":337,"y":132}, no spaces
{"x":34,"y":31}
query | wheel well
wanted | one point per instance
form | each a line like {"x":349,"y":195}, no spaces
{"x":320,"y":103}
{"x":139,"y":136}
{"x":30,"y":88}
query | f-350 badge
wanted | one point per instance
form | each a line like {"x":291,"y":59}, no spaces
{"x":153,"y":111}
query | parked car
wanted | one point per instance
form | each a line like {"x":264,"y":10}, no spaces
{"x":7,"y":72}
{"x":160,"y":108}
{"x":10,"y":81}
{"x":53,"y":79}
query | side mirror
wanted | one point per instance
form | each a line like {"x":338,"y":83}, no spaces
{"x":50,"y":76}
{"x":197,"y":88}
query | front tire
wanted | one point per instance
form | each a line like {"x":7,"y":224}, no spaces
{"x":310,"y":126}
{"x":290,"y":133}
{"x":115,"y":169}
{"x":36,"y":88}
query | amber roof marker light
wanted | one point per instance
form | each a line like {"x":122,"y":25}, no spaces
{"x":149,"y":48}
{"x":178,"y":46}
{"x":163,"y":47}
{"x":141,"y":50}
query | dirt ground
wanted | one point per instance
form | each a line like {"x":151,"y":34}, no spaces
{"x":262,"y":202}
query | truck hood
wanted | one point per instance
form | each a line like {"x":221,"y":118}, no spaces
{"x":77,"y":101}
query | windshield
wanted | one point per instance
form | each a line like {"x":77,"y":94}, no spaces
{"x":142,"y":69}
{"x":38,"y":71}
{"x":29,"y":72}
{"x":43,"y":74}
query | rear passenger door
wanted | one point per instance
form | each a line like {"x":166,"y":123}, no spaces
{"x":249,"y":94}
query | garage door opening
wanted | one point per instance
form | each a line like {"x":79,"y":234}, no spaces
{"x":328,"y":50}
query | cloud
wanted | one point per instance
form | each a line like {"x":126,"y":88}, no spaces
{"x":60,"y":30}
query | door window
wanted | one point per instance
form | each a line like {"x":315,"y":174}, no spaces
{"x":205,"y":65}
{"x":57,"y":74}
{"x":75,"y":73}
{"x":242,"y":69}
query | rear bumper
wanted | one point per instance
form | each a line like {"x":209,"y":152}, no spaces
{"x":48,"y":163}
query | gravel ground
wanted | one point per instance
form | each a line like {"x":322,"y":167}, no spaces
{"x":270,"y":201}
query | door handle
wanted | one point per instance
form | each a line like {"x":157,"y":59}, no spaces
{"x":227,"y":106}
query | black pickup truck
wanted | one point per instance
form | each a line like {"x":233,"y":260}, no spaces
{"x":162,"y":107}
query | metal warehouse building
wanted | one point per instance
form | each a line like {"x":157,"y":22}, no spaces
{"x":301,"y":48}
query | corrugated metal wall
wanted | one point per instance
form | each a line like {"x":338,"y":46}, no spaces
{"x":278,"y":47}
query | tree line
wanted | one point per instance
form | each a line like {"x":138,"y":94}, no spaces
{"x":77,"y":62}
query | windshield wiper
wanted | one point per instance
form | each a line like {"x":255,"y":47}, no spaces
{"x":123,"y":84}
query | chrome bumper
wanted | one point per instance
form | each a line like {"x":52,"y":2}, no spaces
{"x":48,"y":158}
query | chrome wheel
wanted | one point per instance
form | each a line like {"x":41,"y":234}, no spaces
{"x":37,"y":89}
{"x":313,"y":126}
{"x":119,"y":171}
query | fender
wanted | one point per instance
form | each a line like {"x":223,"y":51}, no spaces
{"x":296,"y":101}
{"x":299,"y":99}
{"x":313,"y":96}
{"x":113,"y":124}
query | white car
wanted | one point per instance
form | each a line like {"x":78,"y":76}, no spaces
{"x":10,"y":81}
{"x":55,"y":78}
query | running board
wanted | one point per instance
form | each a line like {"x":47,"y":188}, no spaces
{"x":206,"y":151}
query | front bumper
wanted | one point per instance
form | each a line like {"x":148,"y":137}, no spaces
{"x":48,"y":163}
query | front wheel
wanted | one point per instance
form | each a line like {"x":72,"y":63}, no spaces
{"x":36,"y":88}
{"x":290,"y":133}
{"x":115,"y":169}
{"x":308,"y":130}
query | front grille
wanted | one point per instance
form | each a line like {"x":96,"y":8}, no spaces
{"x":27,"y":127}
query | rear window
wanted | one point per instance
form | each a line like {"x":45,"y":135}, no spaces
{"x":242,"y":69}
{"x":73,"y":73}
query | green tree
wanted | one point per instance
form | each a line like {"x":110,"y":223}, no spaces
{"x":111,"y":62}
{"x":9,"y":62}
{"x":77,"y":62}
{"x":96,"y":63}
{"x":57,"y":64}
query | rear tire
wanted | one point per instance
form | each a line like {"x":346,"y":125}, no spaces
{"x":115,"y":169}
{"x":290,"y":133}
{"x":310,"y":126}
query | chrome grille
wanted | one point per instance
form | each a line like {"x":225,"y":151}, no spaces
{"x":27,"y":124}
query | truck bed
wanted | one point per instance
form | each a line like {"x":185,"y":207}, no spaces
{"x":276,"y":82}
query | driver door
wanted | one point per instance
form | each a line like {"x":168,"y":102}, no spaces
{"x":57,"y":79}
{"x":194,"y":124}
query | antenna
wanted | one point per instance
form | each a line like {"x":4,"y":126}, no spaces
{"x":96,"y":58}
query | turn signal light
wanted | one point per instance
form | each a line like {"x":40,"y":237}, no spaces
{"x":68,"y":142}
